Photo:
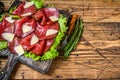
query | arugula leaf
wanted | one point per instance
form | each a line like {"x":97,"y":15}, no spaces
{"x":3,"y":45}
{"x":38,"y":3}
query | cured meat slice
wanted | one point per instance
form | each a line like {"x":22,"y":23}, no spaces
{"x":41,"y":31}
{"x":40,"y":16}
{"x":51,"y":12}
{"x":8,"y":27}
{"x":54,"y":27}
{"x":25,"y":42}
{"x":24,"y":26}
{"x":21,"y":10}
{"x":1,"y":31}
{"x":48,"y":44}
{"x":13,"y":44}
{"x":5,"y":26}
{"x":39,"y":47}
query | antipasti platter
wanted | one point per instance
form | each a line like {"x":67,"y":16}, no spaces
{"x":34,"y":34}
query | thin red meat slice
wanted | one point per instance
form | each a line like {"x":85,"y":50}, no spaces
{"x":51,"y":12}
{"x":32,"y":9}
{"x":11,"y":45}
{"x":24,"y":21}
{"x":5,"y":26}
{"x":48,"y":44}
{"x":1,"y":31}
{"x":8,"y":27}
{"x":25,"y":42}
{"x":40,"y":16}
{"x":41,"y":31}
{"x":38,"y":49}
{"x":54,"y":26}
{"x":20,"y":10}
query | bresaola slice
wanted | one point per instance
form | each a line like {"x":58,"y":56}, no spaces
{"x":38,"y":48}
{"x":40,"y":16}
{"x":47,"y":31}
{"x":6,"y":27}
{"x":51,"y":12}
{"x":48,"y":44}
{"x":25,"y":9}
{"x":1,"y":31}
{"x":24,"y":26}
{"x":54,"y":30}
{"x":15,"y":42}
{"x":25,"y":42}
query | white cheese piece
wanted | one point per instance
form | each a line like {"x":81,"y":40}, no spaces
{"x":9,"y":19}
{"x":51,"y":32}
{"x":53,"y":18}
{"x":34,"y":39}
{"x":28,"y":4}
{"x":26,"y":14}
{"x":26,"y":28}
{"x":19,"y":50}
{"x":8,"y":36}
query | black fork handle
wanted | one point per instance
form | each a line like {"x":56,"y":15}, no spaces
{"x":7,"y":70}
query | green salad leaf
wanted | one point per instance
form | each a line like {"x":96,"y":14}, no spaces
{"x":32,"y":56}
{"x":38,"y":3}
{"x":3,"y":45}
{"x":12,"y":9}
{"x":1,"y":17}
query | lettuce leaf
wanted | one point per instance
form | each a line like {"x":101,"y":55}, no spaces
{"x":32,"y":56}
{"x":38,"y":3}
{"x":3,"y":45}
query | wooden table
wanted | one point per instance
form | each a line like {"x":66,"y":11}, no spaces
{"x":97,"y":54}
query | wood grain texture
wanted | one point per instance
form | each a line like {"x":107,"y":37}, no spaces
{"x":97,"y":55}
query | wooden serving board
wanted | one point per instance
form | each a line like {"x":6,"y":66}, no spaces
{"x":97,"y":54}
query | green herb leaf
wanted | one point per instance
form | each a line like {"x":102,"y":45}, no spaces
{"x":32,"y":56}
{"x":38,"y":3}
{"x":12,"y":9}
{"x":3,"y":45}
